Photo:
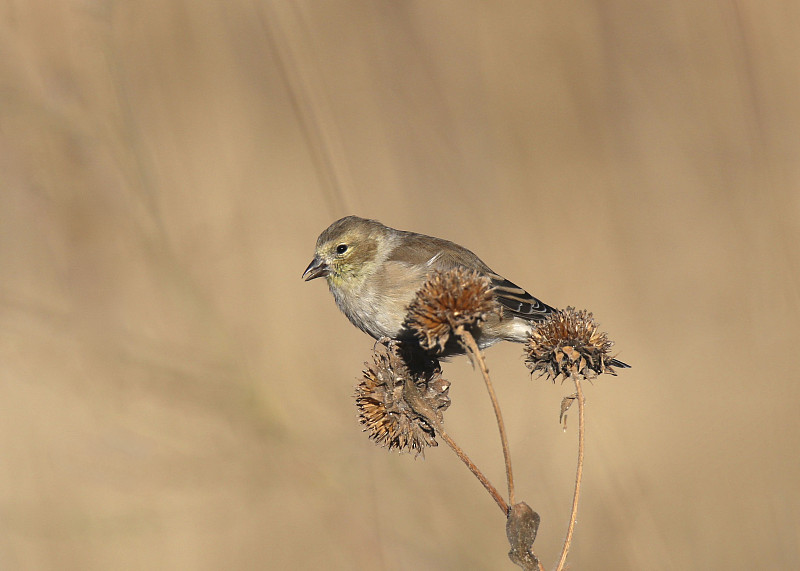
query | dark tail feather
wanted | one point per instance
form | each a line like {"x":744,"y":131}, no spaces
{"x":619,"y":364}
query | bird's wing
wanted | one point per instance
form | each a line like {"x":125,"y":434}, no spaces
{"x":435,"y":253}
{"x":441,"y":254}
{"x":517,"y":301}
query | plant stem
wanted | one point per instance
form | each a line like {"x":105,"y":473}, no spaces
{"x":578,"y":476}
{"x":474,"y":469}
{"x":469,"y":342}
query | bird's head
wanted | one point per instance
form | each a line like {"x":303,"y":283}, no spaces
{"x":347,"y":251}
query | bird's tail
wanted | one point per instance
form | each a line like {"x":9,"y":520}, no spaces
{"x":619,"y":364}
{"x":520,"y":303}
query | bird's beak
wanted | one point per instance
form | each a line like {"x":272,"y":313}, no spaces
{"x":316,"y":269}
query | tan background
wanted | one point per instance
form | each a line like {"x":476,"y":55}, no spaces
{"x":175,"y":397}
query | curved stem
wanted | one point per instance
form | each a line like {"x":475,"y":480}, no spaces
{"x":578,"y":476}
{"x":474,"y":469}
{"x":469,"y":342}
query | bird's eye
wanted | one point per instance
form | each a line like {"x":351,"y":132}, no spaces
{"x":341,"y":248}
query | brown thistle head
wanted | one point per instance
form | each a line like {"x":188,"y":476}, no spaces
{"x":401,"y":402}
{"x":568,"y":342}
{"x":448,"y":301}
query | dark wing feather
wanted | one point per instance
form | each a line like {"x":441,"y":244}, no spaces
{"x":517,"y":301}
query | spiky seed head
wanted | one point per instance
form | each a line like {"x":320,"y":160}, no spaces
{"x":449,"y":300}
{"x":399,"y":404}
{"x":568,"y":342}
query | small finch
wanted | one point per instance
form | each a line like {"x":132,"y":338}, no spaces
{"x":374,"y":273}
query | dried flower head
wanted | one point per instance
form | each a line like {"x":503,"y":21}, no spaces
{"x":399,"y":403}
{"x":568,"y":342}
{"x":449,"y":300}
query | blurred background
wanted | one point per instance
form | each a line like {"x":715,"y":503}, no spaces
{"x":175,"y":397}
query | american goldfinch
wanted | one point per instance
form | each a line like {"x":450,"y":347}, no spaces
{"x":374,"y":272}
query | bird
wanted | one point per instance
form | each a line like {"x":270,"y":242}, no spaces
{"x":374,"y":273}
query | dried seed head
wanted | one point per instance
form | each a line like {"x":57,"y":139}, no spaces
{"x":400,"y":404}
{"x":449,"y":300}
{"x":568,"y":342}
